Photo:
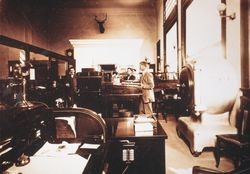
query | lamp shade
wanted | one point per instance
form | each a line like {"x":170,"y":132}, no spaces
{"x":221,"y":7}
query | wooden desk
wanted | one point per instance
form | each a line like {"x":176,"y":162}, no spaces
{"x":27,"y":129}
{"x":149,"y":151}
{"x":129,"y":101}
{"x":93,"y":164}
{"x":117,"y":97}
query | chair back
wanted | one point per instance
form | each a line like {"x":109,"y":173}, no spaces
{"x":245,"y":110}
{"x":85,"y":125}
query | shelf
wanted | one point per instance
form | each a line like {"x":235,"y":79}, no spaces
{"x":4,"y":40}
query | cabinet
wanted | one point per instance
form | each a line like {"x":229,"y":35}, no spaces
{"x":90,"y":92}
{"x":89,"y":83}
{"x":148,"y":151}
{"x":46,"y":66}
{"x":23,"y":131}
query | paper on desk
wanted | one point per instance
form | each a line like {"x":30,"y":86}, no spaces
{"x":89,"y":146}
{"x":143,"y":118}
{"x":67,"y":164}
{"x":64,"y":148}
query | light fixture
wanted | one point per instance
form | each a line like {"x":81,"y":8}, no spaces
{"x":221,"y":8}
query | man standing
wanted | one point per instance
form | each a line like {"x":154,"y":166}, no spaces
{"x":147,"y":85}
{"x":71,"y":88}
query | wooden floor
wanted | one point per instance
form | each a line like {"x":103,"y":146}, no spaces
{"x":179,"y":159}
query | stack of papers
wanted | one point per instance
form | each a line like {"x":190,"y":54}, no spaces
{"x":89,"y":146}
{"x":144,"y":118}
{"x":54,"y":159}
{"x":64,"y":148}
{"x":143,"y":129}
{"x":52,"y":165}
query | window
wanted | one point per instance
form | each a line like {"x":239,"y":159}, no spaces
{"x":170,"y":39}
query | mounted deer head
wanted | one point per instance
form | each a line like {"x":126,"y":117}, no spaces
{"x":101,"y":23}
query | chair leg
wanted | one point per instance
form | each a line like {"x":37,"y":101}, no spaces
{"x":237,"y":160}
{"x":217,"y":152}
{"x":155,"y":108}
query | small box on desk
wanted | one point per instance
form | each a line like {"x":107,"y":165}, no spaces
{"x":145,"y":118}
{"x":144,"y":133}
{"x":144,"y":129}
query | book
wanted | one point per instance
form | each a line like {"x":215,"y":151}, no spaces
{"x":143,"y":118}
{"x":144,"y":133}
{"x":141,"y":127}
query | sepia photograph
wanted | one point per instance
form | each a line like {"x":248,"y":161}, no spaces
{"x":124,"y":86}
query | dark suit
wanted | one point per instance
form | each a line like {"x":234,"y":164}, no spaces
{"x":129,"y":77}
{"x":147,"y":84}
{"x":70,"y":90}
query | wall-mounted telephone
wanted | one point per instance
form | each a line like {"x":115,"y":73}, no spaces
{"x":128,"y":151}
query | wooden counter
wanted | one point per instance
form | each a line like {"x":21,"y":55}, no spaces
{"x":117,"y":97}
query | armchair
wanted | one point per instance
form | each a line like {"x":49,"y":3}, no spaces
{"x":201,"y":132}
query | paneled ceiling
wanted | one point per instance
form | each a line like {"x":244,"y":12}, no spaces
{"x":103,"y":3}
{"x":84,"y":3}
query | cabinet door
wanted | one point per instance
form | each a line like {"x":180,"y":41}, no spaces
{"x":41,"y":73}
{"x":11,"y":66}
{"x":148,"y":156}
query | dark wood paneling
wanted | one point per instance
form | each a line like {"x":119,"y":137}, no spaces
{"x":244,"y":24}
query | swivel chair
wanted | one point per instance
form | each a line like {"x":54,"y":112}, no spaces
{"x":86,"y":125}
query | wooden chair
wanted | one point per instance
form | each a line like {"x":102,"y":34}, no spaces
{"x":87,"y":127}
{"x":237,"y":146}
{"x":158,"y":104}
{"x":205,"y":170}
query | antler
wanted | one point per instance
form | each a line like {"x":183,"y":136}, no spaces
{"x":101,"y":21}
{"x":105,"y":17}
{"x":96,"y":19}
